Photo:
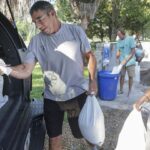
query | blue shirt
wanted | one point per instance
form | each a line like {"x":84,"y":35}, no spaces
{"x":125,"y":47}
{"x":139,"y":52}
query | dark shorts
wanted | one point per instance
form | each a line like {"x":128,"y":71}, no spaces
{"x":54,"y":115}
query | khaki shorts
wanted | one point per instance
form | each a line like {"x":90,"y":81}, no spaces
{"x":129,"y":69}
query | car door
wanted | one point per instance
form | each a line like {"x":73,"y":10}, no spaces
{"x":20,"y":126}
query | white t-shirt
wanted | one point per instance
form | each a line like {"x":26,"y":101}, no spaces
{"x":60,"y":57}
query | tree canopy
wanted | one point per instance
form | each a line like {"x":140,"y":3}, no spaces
{"x":133,"y":15}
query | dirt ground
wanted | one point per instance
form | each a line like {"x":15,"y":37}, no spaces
{"x":114,"y":119}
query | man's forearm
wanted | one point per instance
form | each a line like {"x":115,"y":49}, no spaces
{"x":19,"y":73}
{"x":131,"y":54}
{"x":92,"y":66}
{"x":147,"y":95}
{"x":22,"y":71}
{"x":128,"y":57}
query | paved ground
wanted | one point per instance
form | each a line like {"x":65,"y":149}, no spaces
{"x":122,"y":101}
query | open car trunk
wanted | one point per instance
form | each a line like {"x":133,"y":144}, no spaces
{"x":21,"y":123}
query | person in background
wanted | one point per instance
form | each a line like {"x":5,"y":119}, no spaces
{"x":142,"y":99}
{"x":59,"y":48}
{"x":126,"y":55}
{"x":139,"y":52}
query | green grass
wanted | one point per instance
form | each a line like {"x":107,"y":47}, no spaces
{"x":38,"y":84}
{"x":86,"y":72}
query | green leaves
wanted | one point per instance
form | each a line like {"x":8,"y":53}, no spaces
{"x":133,"y":15}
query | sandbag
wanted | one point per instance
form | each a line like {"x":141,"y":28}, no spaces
{"x":137,"y":72}
{"x":132,"y":135}
{"x":117,"y":69}
{"x":91,"y":121}
{"x":148,"y":134}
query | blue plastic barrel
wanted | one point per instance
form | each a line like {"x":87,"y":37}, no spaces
{"x":107,"y":85}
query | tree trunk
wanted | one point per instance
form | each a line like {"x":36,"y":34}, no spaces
{"x":85,"y":10}
{"x":20,"y":8}
{"x":115,"y":16}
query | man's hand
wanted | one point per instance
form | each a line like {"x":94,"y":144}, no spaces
{"x":5,"y":70}
{"x":92,"y":87}
{"x":124,"y":61}
{"x":139,"y":102}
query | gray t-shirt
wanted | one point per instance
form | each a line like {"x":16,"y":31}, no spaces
{"x":60,"y":57}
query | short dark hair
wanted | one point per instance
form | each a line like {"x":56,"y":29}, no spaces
{"x":41,"y":5}
{"x":122,"y":30}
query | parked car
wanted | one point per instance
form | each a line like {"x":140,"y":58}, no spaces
{"x":21,"y":119}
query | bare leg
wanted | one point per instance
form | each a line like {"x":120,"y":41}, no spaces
{"x":121,"y":83}
{"x":55,"y":143}
{"x":130,"y":84}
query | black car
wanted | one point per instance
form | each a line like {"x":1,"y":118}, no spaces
{"x":21,"y":119}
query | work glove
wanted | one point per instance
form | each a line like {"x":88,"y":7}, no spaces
{"x":120,"y":67}
{"x":4,"y":69}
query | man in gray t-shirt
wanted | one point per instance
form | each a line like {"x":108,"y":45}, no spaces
{"x":60,"y":49}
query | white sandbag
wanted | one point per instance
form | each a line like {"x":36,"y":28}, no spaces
{"x":117,"y":69}
{"x":132,"y":135}
{"x":91,"y":121}
{"x":137,"y":73}
{"x":148,"y":134}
